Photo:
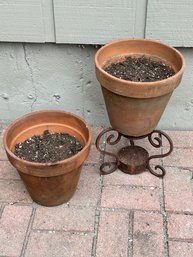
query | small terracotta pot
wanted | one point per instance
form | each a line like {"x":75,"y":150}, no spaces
{"x":48,"y":184}
{"x":135,"y":108}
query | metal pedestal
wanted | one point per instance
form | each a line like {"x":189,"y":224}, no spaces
{"x":133,"y":159}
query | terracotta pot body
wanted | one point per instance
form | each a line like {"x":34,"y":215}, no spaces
{"x":48,"y":184}
{"x":135,"y":108}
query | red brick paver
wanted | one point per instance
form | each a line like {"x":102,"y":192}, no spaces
{"x":13,"y":227}
{"x":113,"y":235}
{"x":68,"y":219}
{"x":88,"y":188}
{"x":180,"y":249}
{"x":144,"y":179}
{"x":3,"y":155}
{"x":179,"y":158}
{"x":180,"y":227}
{"x":95,"y":133}
{"x":114,"y":215}
{"x":130,"y":198}
{"x":13,"y":191}
{"x":181,"y":139}
{"x":148,"y":235}
{"x":178,"y":190}
{"x":60,"y":244}
{"x":7,"y":171}
{"x":94,"y":156}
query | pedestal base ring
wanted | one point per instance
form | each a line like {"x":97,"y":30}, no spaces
{"x":132,"y":159}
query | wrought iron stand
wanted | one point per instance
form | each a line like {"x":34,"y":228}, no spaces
{"x":133,"y":159}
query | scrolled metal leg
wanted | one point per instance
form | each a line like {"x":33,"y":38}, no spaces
{"x":111,"y":140}
{"x":157,"y":141}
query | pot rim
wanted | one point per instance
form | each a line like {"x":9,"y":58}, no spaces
{"x":133,"y":83}
{"x":49,"y":164}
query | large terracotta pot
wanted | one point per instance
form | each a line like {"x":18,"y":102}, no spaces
{"x":48,"y":183}
{"x":135,"y":108}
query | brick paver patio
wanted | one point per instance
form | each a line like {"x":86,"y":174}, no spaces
{"x":109,"y":216}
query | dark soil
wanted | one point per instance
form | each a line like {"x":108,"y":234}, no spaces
{"x":48,"y":147}
{"x":140,"y":69}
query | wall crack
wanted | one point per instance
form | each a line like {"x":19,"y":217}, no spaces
{"x":31,"y":76}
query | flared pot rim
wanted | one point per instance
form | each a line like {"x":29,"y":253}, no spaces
{"x":50,"y":164}
{"x":130,"y":86}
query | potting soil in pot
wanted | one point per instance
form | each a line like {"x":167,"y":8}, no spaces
{"x":48,"y":147}
{"x":140,"y":69}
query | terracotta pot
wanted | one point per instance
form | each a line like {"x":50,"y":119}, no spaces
{"x":48,"y":184}
{"x":135,"y":108}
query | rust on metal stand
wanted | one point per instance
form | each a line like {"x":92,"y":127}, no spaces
{"x":133,"y":159}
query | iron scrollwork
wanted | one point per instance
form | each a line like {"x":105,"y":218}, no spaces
{"x":108,"y":166}
{"x":156,"y":140}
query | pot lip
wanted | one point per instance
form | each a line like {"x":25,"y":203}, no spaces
{"x":133,"y":83}
{"x":49,"y":164}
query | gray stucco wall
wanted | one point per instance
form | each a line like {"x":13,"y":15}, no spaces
{"x":50,"y":76}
